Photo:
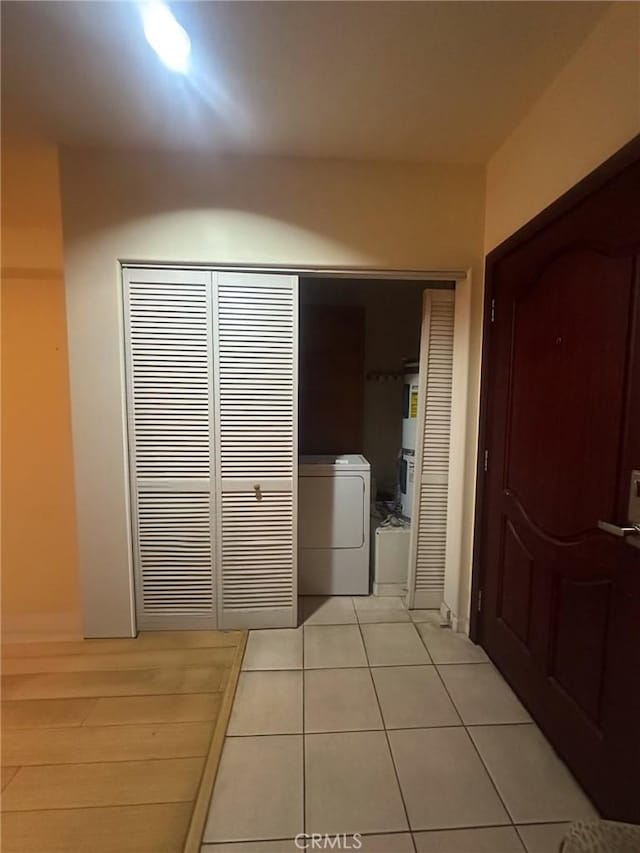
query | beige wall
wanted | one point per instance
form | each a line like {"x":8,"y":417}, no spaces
{"x":40,"y":582}
{"x":189,"y":209}
{"x":186,"y":209}
{"x":590,"y":110}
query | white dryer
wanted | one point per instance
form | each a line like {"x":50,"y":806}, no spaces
{"x":333,"y":525}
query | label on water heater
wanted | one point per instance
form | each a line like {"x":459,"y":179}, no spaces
{"x":413,"y":406}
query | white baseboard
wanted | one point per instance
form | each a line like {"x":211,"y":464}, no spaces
{"x":457,"y":623}
{"x":460,"y":623}
{"x":445,"y":614}
{"x":428,"y":600}
{"x":389,"y":589}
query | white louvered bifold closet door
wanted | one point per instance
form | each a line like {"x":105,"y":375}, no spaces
{"x":431,"y":491}
{"x":256,"y":350}
{"x":168,"y":323}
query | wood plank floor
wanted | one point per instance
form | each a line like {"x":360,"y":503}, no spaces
{"x":105,"y":742}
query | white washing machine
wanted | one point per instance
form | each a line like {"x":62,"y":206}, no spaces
{"x":333,"y":525}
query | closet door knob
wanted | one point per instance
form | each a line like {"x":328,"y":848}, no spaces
{"x":258,"y":492}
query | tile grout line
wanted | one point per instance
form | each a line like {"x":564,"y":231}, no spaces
{"x":466,"y":730}
{"x":357,"y":731}
{"x":520,"y":838}
{"x":408,"y":831}
{"x":486,"y":769}
{"x":388,"y":742}
{"x":304,"y":742}
{"x":375,"y":666}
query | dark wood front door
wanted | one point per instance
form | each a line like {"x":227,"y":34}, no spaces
{"x":559,"y":611}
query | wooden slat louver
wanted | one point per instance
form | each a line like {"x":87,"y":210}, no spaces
{"x":203,"y":485}
{"x":256,"y":401}
{"x":174,"y":533}
{"x":170,"y":406}
{"x":434,"y":439}
{"x":257,"y":379}
{"x":170,"y":352}
{"x":257,"y":550}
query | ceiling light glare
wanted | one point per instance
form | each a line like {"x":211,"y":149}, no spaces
{"x":165,"y":35}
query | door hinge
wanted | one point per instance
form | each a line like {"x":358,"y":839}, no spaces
{"x":479,"y":601}
{"x":493,"y":310}
{"x":486,"y":461}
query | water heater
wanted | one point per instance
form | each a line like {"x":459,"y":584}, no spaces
{"x":409,"y":429}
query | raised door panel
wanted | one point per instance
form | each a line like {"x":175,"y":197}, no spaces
{"x":569,"y":339}
{"x":560,"y":597}
{"x":565,"y":338}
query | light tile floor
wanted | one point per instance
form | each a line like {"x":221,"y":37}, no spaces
{"x":374,"y":720}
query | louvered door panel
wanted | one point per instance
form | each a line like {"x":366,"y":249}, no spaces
{"x":257,"y":378}
{"x":256,"y":403}
{"x":257,"y":550}
{"x":174,"y":535}
{"x":429,"y":526}
{"x":170,"y":411}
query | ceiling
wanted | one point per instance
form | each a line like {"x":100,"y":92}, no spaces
{"x":433,"y":81}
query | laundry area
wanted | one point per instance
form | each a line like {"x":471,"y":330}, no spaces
{"x":359,"y":410}
{"x":288,"y":436}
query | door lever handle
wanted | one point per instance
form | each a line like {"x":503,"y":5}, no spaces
{"x":616,"y":530}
